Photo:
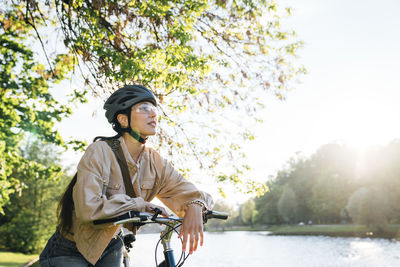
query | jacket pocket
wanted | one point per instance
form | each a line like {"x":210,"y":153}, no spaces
{"x":113,"y":188}
{"x":148,"y":184}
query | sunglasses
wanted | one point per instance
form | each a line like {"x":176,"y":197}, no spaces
{"x":145,"y":108}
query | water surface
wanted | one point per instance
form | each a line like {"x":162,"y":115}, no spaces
{"x":258,"y":249}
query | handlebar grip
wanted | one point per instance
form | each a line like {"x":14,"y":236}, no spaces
{"x":125,"y":216}
{"x":217,"y":215}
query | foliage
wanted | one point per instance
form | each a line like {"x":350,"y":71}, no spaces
{"x":287,"y":205}
{"x":248,"y":212}
{"x":171,"y":45}
{"x":29,"y":218}
{"x":335,"y":169}
{"x":266,"y":205}
{"x":26,"y":102}
{"x":369,"y":206}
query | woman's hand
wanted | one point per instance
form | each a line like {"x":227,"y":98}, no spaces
{"x":149,"y":207}
{"x":192,"y":227}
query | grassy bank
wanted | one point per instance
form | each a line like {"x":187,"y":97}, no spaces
{"x":12,"y":259}
{"x":390,"y":231}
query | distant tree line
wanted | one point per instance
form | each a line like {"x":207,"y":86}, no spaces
{"x":337,"y":184}
{"x":29,"y":218}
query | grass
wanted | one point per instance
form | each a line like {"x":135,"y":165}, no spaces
{"x":389,"y":231}
{"x":12,"y":259}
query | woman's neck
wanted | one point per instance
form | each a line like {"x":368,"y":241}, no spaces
{"x":134,"y":146}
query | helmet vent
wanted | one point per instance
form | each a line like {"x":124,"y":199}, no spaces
{"x":125,"y":99}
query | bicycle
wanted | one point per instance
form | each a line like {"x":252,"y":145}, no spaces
{"x":171,"y":223}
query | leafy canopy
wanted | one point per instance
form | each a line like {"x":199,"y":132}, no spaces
{"x":26,"y":103}
{"x":209,"y":63}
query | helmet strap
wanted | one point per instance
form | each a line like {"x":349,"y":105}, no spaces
{"x":137,"y":136}
{"x":134,"y":134}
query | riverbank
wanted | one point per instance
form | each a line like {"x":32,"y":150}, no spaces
{"x":346,"y":230}
{"x":339,"y":230}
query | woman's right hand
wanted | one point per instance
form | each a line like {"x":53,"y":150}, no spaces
{"x":149,"y":207}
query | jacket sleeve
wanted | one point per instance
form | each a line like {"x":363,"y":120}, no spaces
{"x":176,"y":192}
{"x":90,"y":200}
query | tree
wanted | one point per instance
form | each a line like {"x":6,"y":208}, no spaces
{"x":248,"y":212}
{"x":369,"y":206}
{"x":288,"y":198}
{"x":207,"y":61}
{"x":334,"y":172}
{"x":380,"y":169}
{"x":287,"y":205}
{"x":267,"y":205}
{"x":26,"y":103}
{"x":30,"y":217}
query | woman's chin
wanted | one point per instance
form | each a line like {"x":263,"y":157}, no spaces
{"x":149,"y":133}
{"x":153,"y":131}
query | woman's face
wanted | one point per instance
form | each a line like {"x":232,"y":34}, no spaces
{"x":144,"y":119}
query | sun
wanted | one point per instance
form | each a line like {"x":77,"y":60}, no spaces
{"x":366,"y":122}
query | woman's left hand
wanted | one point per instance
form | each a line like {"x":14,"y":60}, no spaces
{"x":192,"y":227}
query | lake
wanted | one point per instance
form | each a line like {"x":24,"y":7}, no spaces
{"x":258,"y":249}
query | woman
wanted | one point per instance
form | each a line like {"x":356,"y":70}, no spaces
{"x":98,"y":191}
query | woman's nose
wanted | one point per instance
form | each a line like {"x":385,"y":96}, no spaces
{"x":153,"y":113}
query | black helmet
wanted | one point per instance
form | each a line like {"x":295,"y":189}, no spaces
{"x":126,"y":97}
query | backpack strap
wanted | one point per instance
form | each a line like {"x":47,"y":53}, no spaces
{"x":119,"y":154}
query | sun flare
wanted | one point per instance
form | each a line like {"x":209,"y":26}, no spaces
{"x":366,"y":122}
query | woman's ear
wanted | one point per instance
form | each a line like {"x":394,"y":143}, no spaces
{"x":123,"y":120}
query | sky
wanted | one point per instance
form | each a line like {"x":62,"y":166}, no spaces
{"x":350,"y":94}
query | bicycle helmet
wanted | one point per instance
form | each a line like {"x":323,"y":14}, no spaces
{"x":125,"y":98}
{"x":121,"y":101}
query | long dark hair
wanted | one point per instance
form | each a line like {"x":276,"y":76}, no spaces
{"x":65,"y":206}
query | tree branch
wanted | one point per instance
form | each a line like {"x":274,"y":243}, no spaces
{"x":32,"y":24}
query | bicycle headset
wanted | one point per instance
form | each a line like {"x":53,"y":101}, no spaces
{"x":121,"y":101}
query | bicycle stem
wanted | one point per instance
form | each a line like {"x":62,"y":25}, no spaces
{"x":166,"y":236}
{"x":166,"y":242}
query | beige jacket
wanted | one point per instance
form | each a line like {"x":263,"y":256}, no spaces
{"x":99,"y":193}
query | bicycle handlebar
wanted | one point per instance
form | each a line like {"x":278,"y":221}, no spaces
{"x":146,"y":217}
{"x":128,"y":215}
{"x":172,"y":223}
{"x":212,"y":214}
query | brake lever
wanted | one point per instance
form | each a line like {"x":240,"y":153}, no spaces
{"x":157,"y":212}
